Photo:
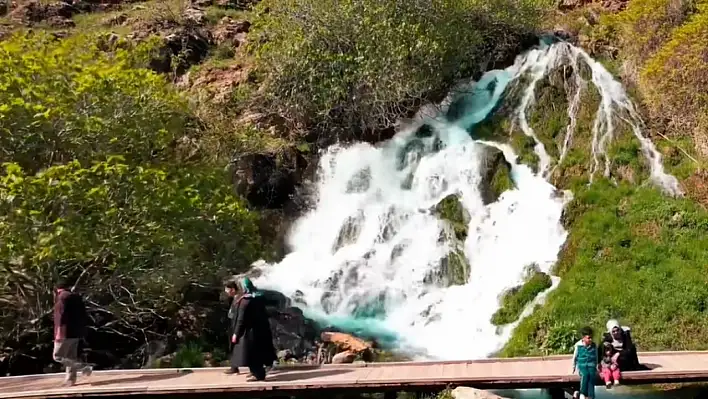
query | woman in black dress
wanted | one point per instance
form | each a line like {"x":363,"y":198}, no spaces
{"x":249,"y":333}
{"x":621,"y":340}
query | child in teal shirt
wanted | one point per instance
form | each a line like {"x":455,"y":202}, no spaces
{"x":585,"y":362}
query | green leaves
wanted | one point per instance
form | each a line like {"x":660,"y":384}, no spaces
{"x":371,"y":62}
{"x":65,"y":100}
{"x":153,"y":230}
{"x":91,"y":189}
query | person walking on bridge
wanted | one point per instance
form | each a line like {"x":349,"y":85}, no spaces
{"x":251,"y":337}
{"x":69,"y":328}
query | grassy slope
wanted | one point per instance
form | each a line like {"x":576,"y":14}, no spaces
{"x":633,"y":253}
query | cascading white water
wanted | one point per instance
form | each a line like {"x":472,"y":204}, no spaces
{"x":362,"y":257}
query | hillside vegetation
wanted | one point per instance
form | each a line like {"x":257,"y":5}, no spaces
{"x":632,"y":253}
{"x":150,"y":148}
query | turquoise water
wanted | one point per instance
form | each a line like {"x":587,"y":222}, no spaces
{"x":616,"y":393}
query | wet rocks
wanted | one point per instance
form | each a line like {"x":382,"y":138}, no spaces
{"x":496,"y":175}
{"x":294,"y":335}
{"x":268,"y":180}
{"x":454,"y":267}
{"x":451,"y":210}
{"x":350,"y":230}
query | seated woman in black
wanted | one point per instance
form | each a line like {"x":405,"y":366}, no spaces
{"x":621,"y":340}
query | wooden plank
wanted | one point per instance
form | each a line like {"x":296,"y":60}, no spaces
{"x":489,"y":373}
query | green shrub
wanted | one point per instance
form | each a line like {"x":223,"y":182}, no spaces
{"x":133,"y":237}
{"x":645,"y":25}
{"x":674,"y":79}
{"x":189,"y":356}
{"x":357,"y":65}
{"x":67,"y":99}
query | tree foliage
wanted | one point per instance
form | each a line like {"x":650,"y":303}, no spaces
{"x":357,"y":65}
{"x":135,"y":239}
{"x":91,"y":190}
{"x":68,"y":99}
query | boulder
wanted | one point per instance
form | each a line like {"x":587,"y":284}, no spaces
{"x":268,"y":180}
{"x":236,"y":4}
{"x":116,"y":20}
{"x":36,"y":11}
{"x":344,"y":357}
{"x":60,"y":22}
{"x":189,"y":46}
{"x":451,"y":210}
{"x":345,"y":342}
{"x":231,"y":30}
{"x":472,"y":393}
{"x":218,"y":82}
{"x":194,"y":16}
{"x":293,"y":332}
{"x":496,"y":175}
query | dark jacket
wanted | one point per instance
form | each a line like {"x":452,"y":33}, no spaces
{"x":251,"y":326}
{"x":628,"y":359}
{"x":70,"y":313}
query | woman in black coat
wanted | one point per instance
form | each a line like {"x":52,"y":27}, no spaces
{"x":249,"y":332}
{"x":621,"y":340}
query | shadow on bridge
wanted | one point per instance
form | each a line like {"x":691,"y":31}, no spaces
{"x":140,"y":378}
{"x":285,"y":375}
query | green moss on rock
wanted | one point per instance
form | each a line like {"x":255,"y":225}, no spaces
{"x":516,"y":299}
{"x":455,"y":268}
{"x":450,"y":209}
{"x":523,"y":146}
{"x":496,"y":175}
{"x":549,"y":117}
{"x":501,"y":181}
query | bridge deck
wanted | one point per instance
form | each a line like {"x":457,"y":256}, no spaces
{"x":491,"y":373}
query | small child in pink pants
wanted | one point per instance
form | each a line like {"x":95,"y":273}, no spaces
{"x":609,"y":370}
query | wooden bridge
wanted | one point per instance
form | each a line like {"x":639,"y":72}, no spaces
{"x":546,"y":372}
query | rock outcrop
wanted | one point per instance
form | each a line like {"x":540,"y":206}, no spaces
{"x":454,"y":268}
{"x":496,"y":175}
{"x":269,"y":180}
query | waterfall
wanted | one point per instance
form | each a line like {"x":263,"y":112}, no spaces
{"x":362,"y":258}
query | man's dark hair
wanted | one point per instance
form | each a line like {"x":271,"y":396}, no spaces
{"x":585,"y":332}
{"x":62,"y":284}
{"x":232,"y":284}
